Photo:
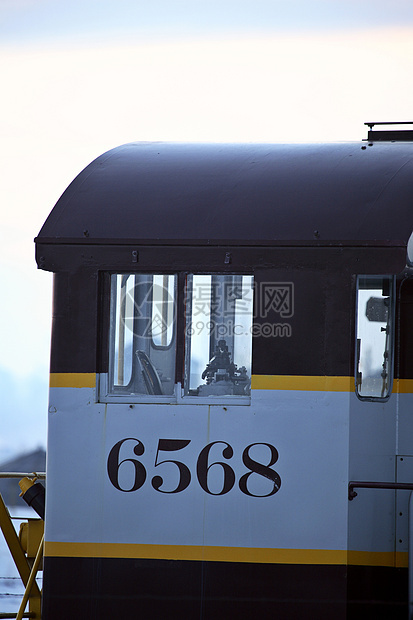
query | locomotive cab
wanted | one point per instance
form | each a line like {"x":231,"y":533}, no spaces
{"x":215,"y":388}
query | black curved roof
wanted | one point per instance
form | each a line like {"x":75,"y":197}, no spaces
{"x":244,"y":193}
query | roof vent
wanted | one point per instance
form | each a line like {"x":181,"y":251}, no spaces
{"x":390,"y":135}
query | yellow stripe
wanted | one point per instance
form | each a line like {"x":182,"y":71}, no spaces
{"x":371,"y":558}
{"x":221,"y":554}
{"x":402,"y":559}
{"x":402,"y":386}
{"x":319,"y":384}
{"x":258,"y":382}
{"x":73,"y":379}
{"x":298,"y":382}
{"x":181,"y":552}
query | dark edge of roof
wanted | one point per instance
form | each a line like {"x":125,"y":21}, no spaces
{"x":310,"y":238}
{"x":272,"y":243}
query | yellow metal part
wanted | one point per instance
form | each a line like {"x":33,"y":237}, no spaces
{"x":25,"y":484}
{"x":20,"y":560}
{"x":31,"y":581}
{"x":30,"y":535}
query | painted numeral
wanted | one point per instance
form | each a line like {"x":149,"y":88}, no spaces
{"x":204,"y":467}
{"x":114,"y":465}
{"x":260,"y":469}
{"x":171,"y":445}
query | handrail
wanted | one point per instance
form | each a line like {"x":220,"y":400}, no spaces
{"x":11,"y":616}
{"x":41,"y":475}
{"x":26,"y":572}
{"x":397,"y":486}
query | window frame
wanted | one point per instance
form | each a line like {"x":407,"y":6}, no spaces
{"x":105,"y":379}
{"x":391,"y":323}
{"x":224,"y":398}
{"x":179,"y":341}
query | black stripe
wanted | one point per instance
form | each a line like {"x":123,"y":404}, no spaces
{"x":86,"y":589}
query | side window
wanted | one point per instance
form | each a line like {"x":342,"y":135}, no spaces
{"x":375,"y":335}
{"x":214,"y":341}
{"x":142,"y":335}
{"x":218,"y":343}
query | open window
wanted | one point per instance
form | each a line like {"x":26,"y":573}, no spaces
{"x":219,"y":312}
{"x":375,"y":335}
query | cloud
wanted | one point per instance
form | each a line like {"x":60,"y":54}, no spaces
{"x":138,"y":20}
{"x":19,"y":5}
{"x":218,"y":89}
{"x":23,"y":412}
{"x":25,"y":312}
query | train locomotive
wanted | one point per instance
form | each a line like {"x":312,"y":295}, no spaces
{"x":232,"y":345}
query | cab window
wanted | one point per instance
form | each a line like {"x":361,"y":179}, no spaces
{"x":213,"y":343}
{"x":142,"y":334}
{"x":218,"y":335}
{"x":375,"y":335}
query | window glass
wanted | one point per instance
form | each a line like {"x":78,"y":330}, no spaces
{"x":375,"y":325}
{"x":219,"y":311}
{"x":142,"y":334}
{"x":122,"y":328}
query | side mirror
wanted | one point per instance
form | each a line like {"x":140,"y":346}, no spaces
{"x":377,"y":309}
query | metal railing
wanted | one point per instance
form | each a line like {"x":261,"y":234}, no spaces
{"x":395,"y":486}
{"x":13,"y":474}
{"x":27,"y":572}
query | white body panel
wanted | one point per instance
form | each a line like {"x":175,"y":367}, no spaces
{"x":309,"y":430}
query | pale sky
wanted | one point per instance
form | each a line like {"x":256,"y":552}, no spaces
{"x":80,"y":77}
